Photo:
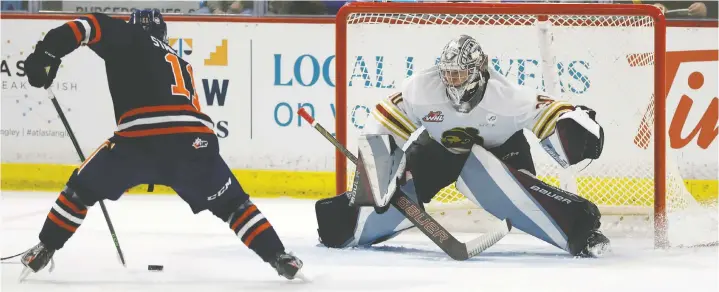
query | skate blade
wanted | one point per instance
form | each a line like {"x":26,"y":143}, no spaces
{"x":302,"y":276}
{"x":25,"y":272}
{"x":52,"y":266}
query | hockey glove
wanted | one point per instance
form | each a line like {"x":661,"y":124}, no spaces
{"x":41,"y":67}
{"x":582,"y":136}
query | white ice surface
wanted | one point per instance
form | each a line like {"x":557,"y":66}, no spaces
{"x":200,"y":253}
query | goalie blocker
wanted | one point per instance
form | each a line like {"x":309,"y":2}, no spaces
{"x":506,"y":187}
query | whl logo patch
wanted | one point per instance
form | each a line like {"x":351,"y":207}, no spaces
{"x":434,"y":117}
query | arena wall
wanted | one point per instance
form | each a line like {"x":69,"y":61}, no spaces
{"x":253,"y":74}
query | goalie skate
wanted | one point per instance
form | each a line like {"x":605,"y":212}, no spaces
{"x":597,"y":245}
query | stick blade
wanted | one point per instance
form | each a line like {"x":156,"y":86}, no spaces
{"x":487,"y":240}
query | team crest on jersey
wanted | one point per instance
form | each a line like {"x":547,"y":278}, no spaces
{"x":199,"y":143}
{"x":434,"y":117}
{"x":461,"y":139}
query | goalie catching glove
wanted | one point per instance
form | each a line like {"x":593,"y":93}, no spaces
{"x":577,"y":136}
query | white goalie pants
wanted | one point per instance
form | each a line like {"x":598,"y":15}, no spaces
{"x":488,"y":183}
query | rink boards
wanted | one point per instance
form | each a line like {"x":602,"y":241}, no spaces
{"x":252,"y":78}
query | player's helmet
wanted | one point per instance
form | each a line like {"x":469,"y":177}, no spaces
{"x":463,"y":71}
{"x":151,"y":21}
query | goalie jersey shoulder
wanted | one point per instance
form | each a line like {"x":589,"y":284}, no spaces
{"x":530,"y":108}
{"x":424,"y":88}
{"x":505,"y":98}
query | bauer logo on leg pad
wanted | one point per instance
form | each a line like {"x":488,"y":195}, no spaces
{"x":550,"y":194}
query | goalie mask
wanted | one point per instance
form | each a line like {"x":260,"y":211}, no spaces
{"x":463,"y":71}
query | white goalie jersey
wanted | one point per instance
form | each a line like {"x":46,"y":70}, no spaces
{"x":505,"y":109}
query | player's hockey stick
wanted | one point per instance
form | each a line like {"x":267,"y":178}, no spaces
{"x":60,"y":113}
{"x":12,"y":256}
{"x":423,"y":221}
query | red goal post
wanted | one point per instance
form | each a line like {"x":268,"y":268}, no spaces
{"x":540,"y":11}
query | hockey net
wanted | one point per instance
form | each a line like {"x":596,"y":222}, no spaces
{"x":607,"y":57}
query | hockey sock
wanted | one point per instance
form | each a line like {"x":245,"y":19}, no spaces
{"x":64,"y":218}
{"x":255,"y":231}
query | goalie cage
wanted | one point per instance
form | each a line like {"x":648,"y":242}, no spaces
{"x":605,"y":56}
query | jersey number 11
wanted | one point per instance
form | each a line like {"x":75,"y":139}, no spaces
{"x":179,"y":87}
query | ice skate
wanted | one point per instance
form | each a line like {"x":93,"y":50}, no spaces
{"x":36,"y":259}
{"x":288,"y":266}
{"x":597,"y":245}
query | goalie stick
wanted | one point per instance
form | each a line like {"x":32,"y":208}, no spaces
{"x":423,"y":221}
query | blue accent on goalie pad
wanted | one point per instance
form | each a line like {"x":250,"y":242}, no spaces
{"x":485,"y":191}
{"x":386,"y":225}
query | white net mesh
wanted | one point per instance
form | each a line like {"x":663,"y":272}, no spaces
{"x":603,"y":62}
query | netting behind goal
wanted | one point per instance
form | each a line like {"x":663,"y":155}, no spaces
{"x":601,"y":56}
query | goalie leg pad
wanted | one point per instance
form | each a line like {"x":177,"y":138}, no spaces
{"x":555,"y":216}
{"x":341,"y":225}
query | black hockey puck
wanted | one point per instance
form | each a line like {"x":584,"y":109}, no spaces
{"x":155,"y":267}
